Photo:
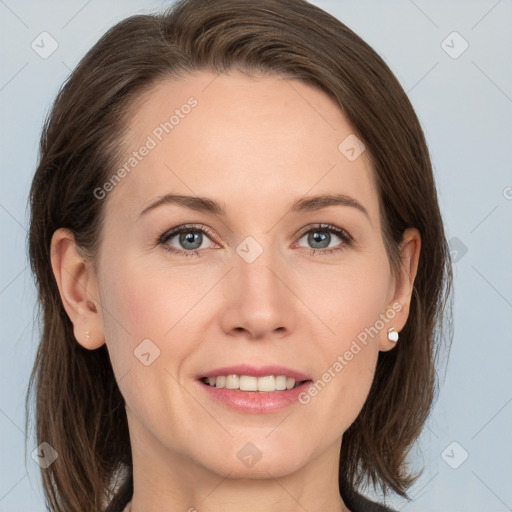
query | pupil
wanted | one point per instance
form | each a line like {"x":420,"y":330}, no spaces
{"x":319,"y":237}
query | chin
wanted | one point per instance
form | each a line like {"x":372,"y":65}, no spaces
{"x":259,"y":456}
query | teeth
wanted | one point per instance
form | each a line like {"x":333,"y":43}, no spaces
{"x":249,"y":383}
{"x":232,"y":382}
{"x":281,"y":382}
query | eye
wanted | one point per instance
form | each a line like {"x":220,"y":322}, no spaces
{"x":189,"y":239}
{"x":320,"y":238}
{"x":192,"y":240}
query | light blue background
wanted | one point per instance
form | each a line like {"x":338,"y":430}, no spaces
{"x":465,"y":106}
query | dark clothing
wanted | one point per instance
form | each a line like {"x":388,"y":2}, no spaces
{"x":358,"y":503}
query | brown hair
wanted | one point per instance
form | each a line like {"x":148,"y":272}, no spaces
{"x":79,"y":408}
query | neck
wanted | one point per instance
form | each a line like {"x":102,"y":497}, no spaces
{"x":165,"y":481}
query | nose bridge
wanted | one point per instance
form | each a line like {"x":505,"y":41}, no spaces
{"x":259,"y":301}
{"x":258,"y":268}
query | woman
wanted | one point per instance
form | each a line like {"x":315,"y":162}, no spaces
{"x":241,"y":264}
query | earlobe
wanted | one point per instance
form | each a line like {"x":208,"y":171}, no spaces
{"x":410,"y":248}
{"x":77,"y":288}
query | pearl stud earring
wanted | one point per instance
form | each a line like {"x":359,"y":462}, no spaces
{"x":87,"y":335}
{"x":392,"y":335}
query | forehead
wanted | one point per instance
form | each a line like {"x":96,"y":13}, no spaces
{"x":242,"y":140}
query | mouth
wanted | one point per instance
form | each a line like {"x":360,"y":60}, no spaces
{"x":254,"y":390}
{"x":253,"y":395}
{"x":250,"y":383}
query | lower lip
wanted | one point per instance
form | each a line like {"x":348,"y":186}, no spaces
{"x":256,"y":402}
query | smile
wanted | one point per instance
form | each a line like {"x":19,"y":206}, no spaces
{"x":265,"y":384}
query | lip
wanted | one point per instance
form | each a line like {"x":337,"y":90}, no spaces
{"x":262,"y":371}
{"x":254,"y":402}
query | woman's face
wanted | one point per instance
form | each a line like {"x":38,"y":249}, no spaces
{"x":259,"y":280}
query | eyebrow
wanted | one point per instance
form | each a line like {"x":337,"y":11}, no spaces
{"x":203,"y":204}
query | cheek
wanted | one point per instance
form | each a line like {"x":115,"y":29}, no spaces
{"x":349,"y":299}
{"x":134,"y":317}
{"x":147,"y":322}
{"x":145,"y":303}
{"x":142,"y":313}
{"x":351,"y":303}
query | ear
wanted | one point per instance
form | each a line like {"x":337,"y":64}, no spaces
{"x":78,"y":289}
{"x":402,"y":286}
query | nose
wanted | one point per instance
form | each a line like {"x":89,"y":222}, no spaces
{"x":258,"y":299}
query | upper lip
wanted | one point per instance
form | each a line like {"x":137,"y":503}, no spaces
{"x":262,"y":371}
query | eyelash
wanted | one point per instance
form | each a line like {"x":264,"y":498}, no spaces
{"x":347,"y":240}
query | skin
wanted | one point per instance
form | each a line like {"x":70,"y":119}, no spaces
{"x":255,"y":144}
